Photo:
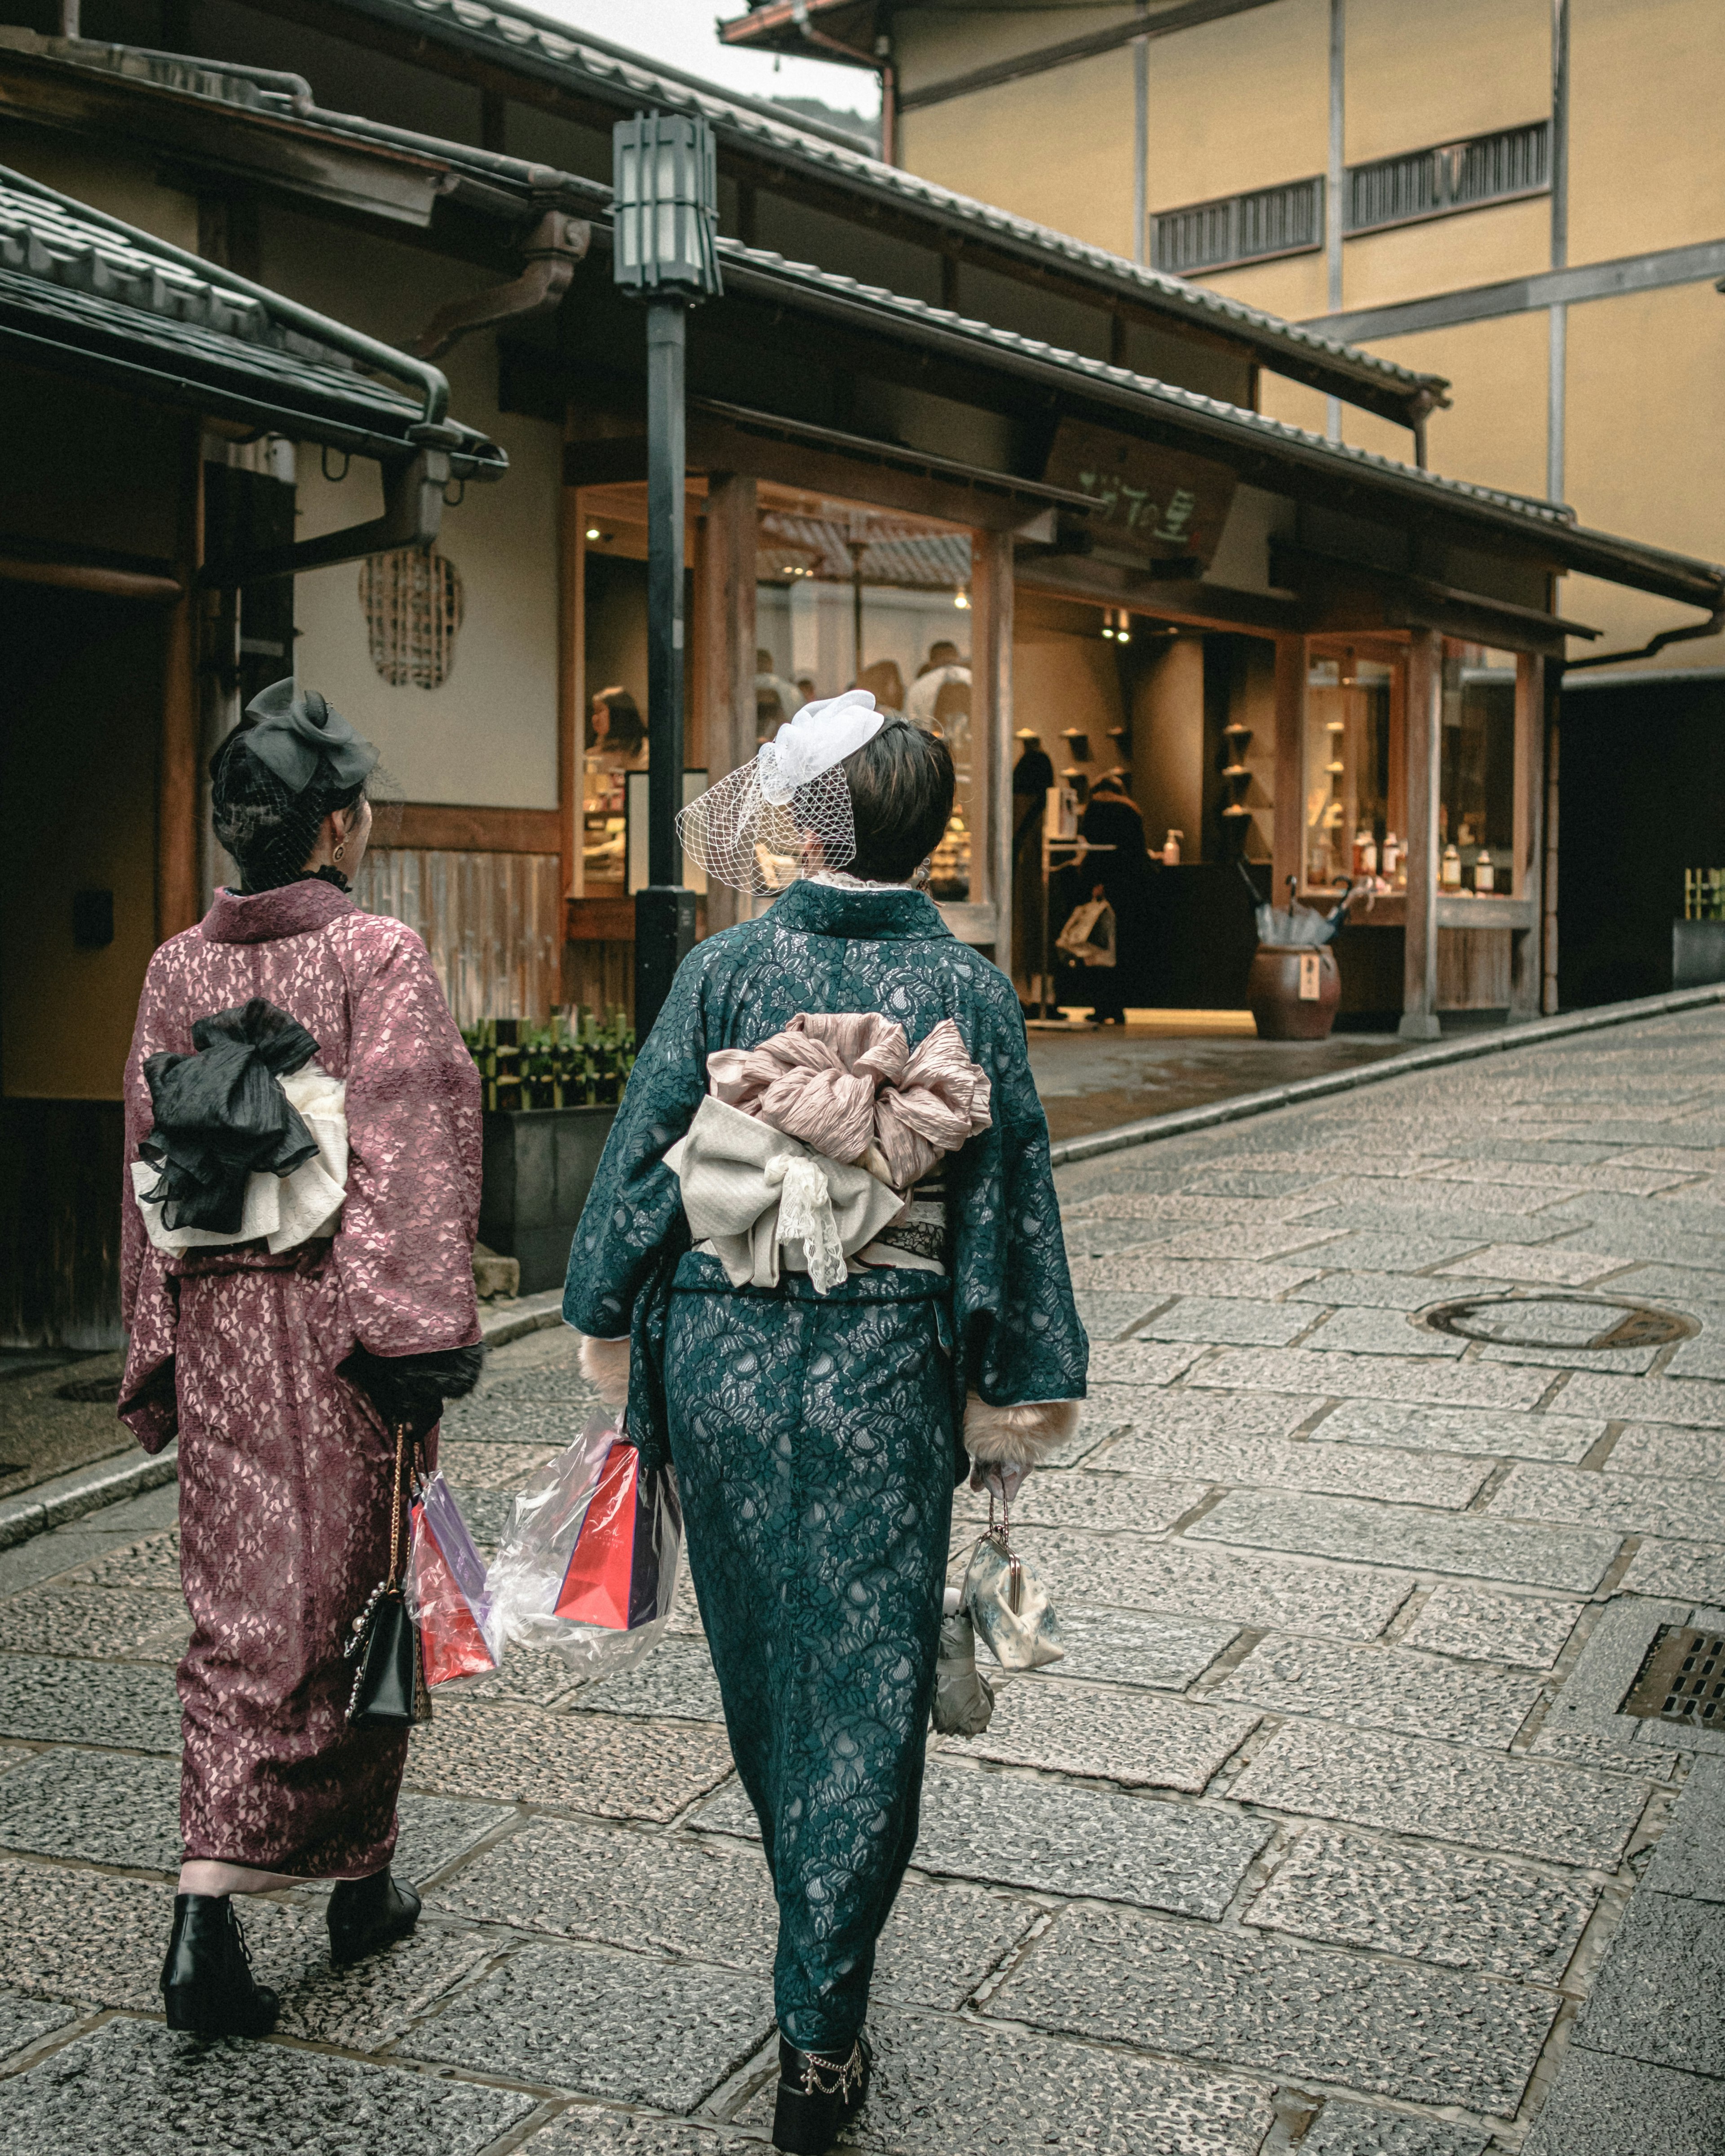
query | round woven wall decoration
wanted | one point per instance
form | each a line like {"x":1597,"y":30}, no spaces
{"x":412,"y":603}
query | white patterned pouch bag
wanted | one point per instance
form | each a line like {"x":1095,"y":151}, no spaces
{"x":1009,"y":1604}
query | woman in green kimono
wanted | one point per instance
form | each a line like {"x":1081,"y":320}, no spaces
{"x":823,"y":1253}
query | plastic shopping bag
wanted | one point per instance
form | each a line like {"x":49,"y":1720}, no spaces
{"x":447,"y":1592}
{"x":588,"y":1562}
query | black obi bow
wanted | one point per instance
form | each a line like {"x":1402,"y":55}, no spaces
{"x":221,"y":1114}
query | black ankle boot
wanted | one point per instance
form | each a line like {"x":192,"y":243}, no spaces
{"x":366,"y":1914}
{"x":206,"y":1982}
{"x":818,"y":2097}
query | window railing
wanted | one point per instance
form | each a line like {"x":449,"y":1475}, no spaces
{"x":1455,"y":176}
{"x":1248,"y":228}
{"x":1234,"y":229}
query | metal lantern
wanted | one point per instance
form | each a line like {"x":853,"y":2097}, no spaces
{"x":665,"y":207}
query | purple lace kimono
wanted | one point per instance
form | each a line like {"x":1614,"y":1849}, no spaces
{"x":285,"y":1471}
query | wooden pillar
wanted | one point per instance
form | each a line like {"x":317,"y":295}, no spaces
{"x":572,"y":685}
{"x":725,"y":638}
{"x":991,"y":605}
{"x":1526,"y":971}
{"x":177,"y":894}
{"x":1546,"y":894}
{"x":1425,"y":689}
{"x":1288,"y":832}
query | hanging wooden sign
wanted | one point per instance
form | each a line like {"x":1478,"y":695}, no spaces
{"x":1150,"y":501}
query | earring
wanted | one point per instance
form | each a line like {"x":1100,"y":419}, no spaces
{"x":340,"y":850}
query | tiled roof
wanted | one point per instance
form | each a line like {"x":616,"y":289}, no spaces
{"x":126,"y":302}
{"x":526,"y":35}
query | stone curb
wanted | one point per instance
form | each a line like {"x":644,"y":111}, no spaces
{"x":1095,"y":1143}
{"x":103,"y":1483}
{"x":88,"y":1490}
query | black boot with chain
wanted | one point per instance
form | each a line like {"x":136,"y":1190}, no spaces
{"x":365,"y":1914}
{"x":818,"y":2095}
{"x":206,"y":1983}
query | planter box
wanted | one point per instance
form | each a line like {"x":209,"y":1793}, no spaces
{"x":539,"y":1166}
{"x":1697,"y":953}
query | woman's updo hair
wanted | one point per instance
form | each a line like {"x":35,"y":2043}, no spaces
{"x":266,"y":827}
{"x":901,"y":788}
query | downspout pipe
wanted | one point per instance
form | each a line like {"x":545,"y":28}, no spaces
{"x":1712,"y":626}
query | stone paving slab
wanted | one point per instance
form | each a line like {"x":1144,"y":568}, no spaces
{"x":1211,"y":1320}
{"x":107,"y":1807}
{"x":131,"y":1623}
{"x":1660,"y":1997}
{"x":1122,"y":1646}
{"x":943,"y":2087}
{"x":1191,"y":1578}
{"x":1531,"y":1265}
{"x":1103,"y":1502}
{"x":1467,"y":1544}
{"x":1584,"y":1724}
{"x":1379,"y":1253}
{"x":619,"y":1768}
{"x":677,"y":1679}
{"x":1157,"y":1277}
{"x":1624,"y":1504}
{"x":1178,"y":1412}
{"x":711,"y":1899}
{"x":1416,"y":1381}
{"x":1382,"y":1688}
{"x":467,"y":1467}
{"x":23,"y":2022}
{"x":1350,"y":2129}
{"x":1280,"y":2007}
{"x":1414,"y":1786}
{"x":1536,"y":1436}
{"x":1337,"y":1470}
{"x":1481,"y":1625}
{"x":588,"y":2129}
{"x":152,"y":1561}
{"x":1139,"y":1363}
{"x":136,"y":2086}
{"x":57,"y":1700}
{"x":1403,"y":1291}
{"x":1106,"y":1315}
{"x":1678,"y":1569}
{"x":1429,"y":1903}
{"x":1137,"y":1738}
{"x":1694,"y":1403}
{"x":1689,"y":1858}
{"x":623,"y":2026}
{"x":1608,"y":2106}
{"x":1364,"y":1331}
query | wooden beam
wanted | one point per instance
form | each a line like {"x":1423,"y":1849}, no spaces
{"x":447,"y":828}
{"x":571,"y":684}
{"x":991,"y":602}
{"x":1424,"y":732}
{"x":1525,"y":969}
{"x":177,"y":894}
{"x":82,"y":577}
{"x":724,"y":640}
{"x":1287,"y":850}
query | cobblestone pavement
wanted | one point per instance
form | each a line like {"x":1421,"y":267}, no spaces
{"x":1323,"y":1836}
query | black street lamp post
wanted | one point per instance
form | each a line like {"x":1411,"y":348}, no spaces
{"x":665,"y":213}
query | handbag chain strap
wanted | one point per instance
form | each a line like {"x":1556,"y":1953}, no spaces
{"x":394,"y":1583}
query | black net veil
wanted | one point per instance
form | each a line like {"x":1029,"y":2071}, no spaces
{"x":269,"y":826}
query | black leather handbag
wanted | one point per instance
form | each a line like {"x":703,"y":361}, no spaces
{"x":389,"y":1687}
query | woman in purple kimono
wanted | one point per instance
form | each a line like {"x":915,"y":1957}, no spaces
{"x":303,"y":1166}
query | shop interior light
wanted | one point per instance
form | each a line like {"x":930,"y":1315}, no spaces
{"x":961,"y":599}
{"x":665,"y":207}
{"x":592,"y":531}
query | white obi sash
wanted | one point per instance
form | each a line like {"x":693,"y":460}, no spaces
{"x":283,"y":1211}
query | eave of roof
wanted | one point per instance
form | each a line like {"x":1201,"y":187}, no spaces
{"x":530,"y":43}
{"x":84,"y":291}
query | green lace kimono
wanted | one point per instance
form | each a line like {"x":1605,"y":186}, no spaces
{"x":817,"y":1437}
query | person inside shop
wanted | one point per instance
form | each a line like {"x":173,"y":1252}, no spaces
{"x":1032,"y":776}
{"x":299,"y":1211}
{"x":893,"y":1312}
{"x":942,"y":684}
{"x":616,"y":737}
{"x":776,"y":699}
{"x":1112,"y":819}
{"x":942,"y":652}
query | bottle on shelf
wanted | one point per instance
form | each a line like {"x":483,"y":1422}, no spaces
{"x":1485,"y":875}
{"x":1365,"y":852}
{"x":1449,"y":871}
{"x":1171,"y":849}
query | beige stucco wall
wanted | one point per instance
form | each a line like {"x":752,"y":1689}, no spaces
{"x":1240,"y":103}
{"x":1646,"y":160}
{"x":111,"y":180}
{"x":488,"y":736}
{"x":1447,"y":254}
{"x":1494,"y":433}
{"x":1417,"y":77}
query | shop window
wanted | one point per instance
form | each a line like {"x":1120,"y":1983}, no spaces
{"x":412,"y":603}
{"x":848,"y":594}
{"x":1476,"y":776}
{"x":1354,"y":784}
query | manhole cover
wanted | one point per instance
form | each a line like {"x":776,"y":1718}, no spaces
{"x":1585,"y":1322}
{"x":100,"y":1392}
{"x":1682,"y":1679}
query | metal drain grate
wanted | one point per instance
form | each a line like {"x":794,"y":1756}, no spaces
{"x":1588,"y":1323}
{"x":1682,"y":1679}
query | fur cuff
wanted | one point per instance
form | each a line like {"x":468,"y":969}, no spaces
{"x":1018,"y":1436}
{"x":604,"y":1364}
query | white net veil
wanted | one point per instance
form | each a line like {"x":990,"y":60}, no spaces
{"x":787,"y":814}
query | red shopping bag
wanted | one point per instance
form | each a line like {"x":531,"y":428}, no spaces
{"x":447,"y":1591}
{"x":618,"y":1574}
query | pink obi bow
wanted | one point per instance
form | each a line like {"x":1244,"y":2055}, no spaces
{"x":849,"y":1085}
